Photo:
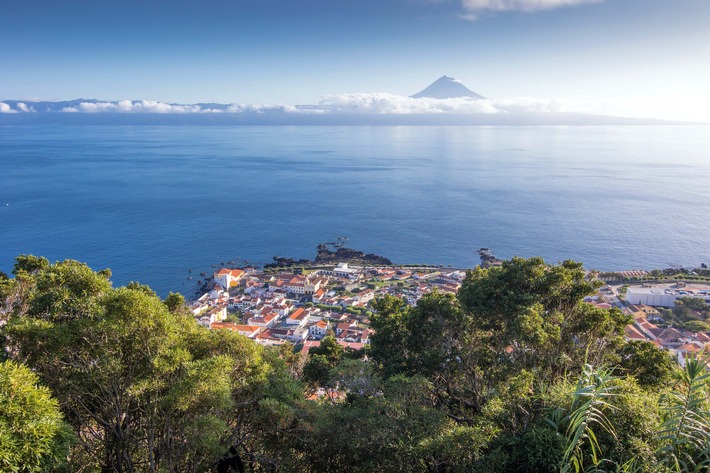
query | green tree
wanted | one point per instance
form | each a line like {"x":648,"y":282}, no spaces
{"x":650,"y":366}
{"x":388,"y":343}
{"x":531,"y":314}
{"x":321,"y":360}
{"x":174,"y":302}
{"x":145,"y":389}
{"x":29,"y":264}
{"x":33,"y":435}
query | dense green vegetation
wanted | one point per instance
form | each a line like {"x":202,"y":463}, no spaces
{"x":515,"y":374}
{"x":690,"y":313}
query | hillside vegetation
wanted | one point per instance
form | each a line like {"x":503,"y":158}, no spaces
{"x":514,"y":374}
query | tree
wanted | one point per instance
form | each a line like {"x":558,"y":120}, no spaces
{"x":174,"y":302}
{"x":145,"y":389}
{"x":532,"y":314}
{"x":321,"y":360}
{"x":33,"y":435}
{"x":388,"y":343}
{"x":650,"y":366}
{"x":29,"y":264}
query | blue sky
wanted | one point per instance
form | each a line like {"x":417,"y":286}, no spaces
{"x":647,"y":58}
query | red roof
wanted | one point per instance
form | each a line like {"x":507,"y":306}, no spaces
{"x":235,"y":273}
{"x":633,"y":333}
{"x":224,"y":325}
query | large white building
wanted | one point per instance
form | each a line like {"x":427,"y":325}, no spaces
{"x":665,"y":295}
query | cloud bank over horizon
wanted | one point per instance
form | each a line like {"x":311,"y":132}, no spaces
{"x":377,"y":103}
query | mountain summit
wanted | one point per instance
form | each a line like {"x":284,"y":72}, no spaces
{"x":447,"y":88}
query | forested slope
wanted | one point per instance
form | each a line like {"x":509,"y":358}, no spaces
{"x":514,"y":374}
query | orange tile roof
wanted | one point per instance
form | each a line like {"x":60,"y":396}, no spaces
{"x":633,"y":333}
{"x":692,"y":347}
{"x":224,"y":325}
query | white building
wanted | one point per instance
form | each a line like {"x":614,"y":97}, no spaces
{"x":664,"y":296}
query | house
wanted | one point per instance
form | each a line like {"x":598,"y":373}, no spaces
{"x":249,"y":331}
{"x":223,"y":326}
{"x":344,"y":326}
{"x":342,"y":270}
{"x":632,"y":333}
{"x":365,"y":296}
{"x":647,"y":328}
{"x":687,"y":350}
{"x":266,"y":338}
{"x":298,"y":317}
{"x":228,"y":277}
{"x":642,"y":310}
{"x":669,"y":337}
{"x":213,"y":314}
{"x":313,"y":284}
{"x":217,"y":292}
{"x":266,"y":320}
{"x":319,"y":329}
{"x":319,"y":296}
{"x":298,"y":335}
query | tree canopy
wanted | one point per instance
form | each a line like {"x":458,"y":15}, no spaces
{"x":514,"y":373}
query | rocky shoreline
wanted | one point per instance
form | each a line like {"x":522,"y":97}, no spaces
{"x":324,"y":255}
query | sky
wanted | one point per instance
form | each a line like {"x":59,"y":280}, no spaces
{"x":640,"y":58}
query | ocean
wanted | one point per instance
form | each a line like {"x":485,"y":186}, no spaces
{"x":152,"y":202}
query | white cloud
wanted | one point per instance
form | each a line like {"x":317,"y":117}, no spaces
{"x":376,"y":103}
{"x":22,"y":107}
{"x":260,"y":108}
{"x":127,"y":106}
{"x":5,"y":108}
{"x":474,"y":7}
{"x":381,"y":103}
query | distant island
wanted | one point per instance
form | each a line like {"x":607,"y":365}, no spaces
{"x":446,"y":101}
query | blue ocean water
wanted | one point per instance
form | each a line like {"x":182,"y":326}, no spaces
{"x":151,"y":202}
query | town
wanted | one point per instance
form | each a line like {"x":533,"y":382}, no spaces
{"x":301,"y":305}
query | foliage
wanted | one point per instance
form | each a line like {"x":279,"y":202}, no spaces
{"x":685,"y":432}
{"x":586,"y":416}
{"x":33,"y":436}
{"x":174,"y":302}
{"x":498,"y":378}
{"x":144,"y":388}
{"x":650,"y":366}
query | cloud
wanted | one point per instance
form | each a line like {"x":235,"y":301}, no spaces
{"x":127,"y":106}
{"x":473,"y":8}
{"x":375,"y":103}
{"x":5,"y":108}
{"x":381,"y":103}
{"x":260,"y":108}
{"x":22,"y":107}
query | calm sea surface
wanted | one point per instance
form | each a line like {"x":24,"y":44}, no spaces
{"x":151,"y":202}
